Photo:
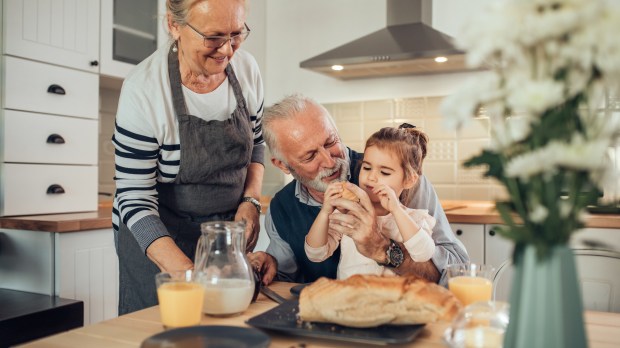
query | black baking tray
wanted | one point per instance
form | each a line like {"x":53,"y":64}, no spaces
{"x":283,"y":318}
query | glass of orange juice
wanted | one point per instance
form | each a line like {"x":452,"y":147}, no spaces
{"x":471,"y":282}
{"x":180,"y":298}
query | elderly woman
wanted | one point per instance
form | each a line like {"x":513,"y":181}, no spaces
{"x":189,"y":145}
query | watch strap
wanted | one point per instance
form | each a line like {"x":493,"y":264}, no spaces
{"x":254,"y":201}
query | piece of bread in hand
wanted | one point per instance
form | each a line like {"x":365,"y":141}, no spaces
{"x":348,"y":194}
{"x":371,"y":300}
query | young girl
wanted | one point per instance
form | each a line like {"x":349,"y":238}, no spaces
{"x":390,"y":170}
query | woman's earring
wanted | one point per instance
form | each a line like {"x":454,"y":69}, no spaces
{"x":174,"y":47}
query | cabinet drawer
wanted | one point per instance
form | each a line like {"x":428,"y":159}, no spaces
{"x":32,"y":86}
{"x":25,"y":186}
{"x":38,"y":138}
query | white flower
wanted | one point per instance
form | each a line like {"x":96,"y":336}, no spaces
{"x":539,"y":213}
{"x":460,"y":108}
{"x":534,"y":96}
{"x":578,"y":155}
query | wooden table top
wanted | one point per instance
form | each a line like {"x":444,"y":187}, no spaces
{"x":603,"y":330}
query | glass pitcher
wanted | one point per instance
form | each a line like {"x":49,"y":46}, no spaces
{"x":223,"y":268}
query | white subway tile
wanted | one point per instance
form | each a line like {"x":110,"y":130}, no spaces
{"x":378,"y":110}
{"x":433,"y":105}
{"x":434,"y":128}
{"x":409,"y":108}
{"x":440,"y":173}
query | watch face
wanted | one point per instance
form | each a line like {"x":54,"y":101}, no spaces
{"x":396,"y":255}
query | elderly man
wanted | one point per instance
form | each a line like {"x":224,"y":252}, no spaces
{"x":304,"y":142}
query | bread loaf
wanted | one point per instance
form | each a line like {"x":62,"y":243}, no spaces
{"x":348,"y":194}
{"x":371,"y":300}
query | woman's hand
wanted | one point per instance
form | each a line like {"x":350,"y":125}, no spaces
{"x":167,"y":256}
{"x":247,"y":212}
{"x":265,"y":264}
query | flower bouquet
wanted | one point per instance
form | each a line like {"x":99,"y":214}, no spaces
{"x":550,"y":65}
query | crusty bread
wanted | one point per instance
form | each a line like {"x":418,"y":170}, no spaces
{"x":348,"y":194}
{"x":371,"y":300}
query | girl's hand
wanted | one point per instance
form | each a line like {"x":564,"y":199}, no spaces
{"x":334,"y":191}
{"x":387,"y":197}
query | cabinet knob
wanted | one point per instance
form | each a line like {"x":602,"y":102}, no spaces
{"x":56,"y":89}
{"x":55,"y":189}
{"x":55,"y":139}
{"x":94,"y":63}
{"x":491,"y":233}
{"x":459,"y":232}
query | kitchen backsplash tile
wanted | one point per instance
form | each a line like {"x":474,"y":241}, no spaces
{"x":410,"y":107}
{"x":378,"y":110}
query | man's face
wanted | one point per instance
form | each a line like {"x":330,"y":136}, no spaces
{"x":312,"y":150}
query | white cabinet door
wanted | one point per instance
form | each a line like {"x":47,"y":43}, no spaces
{"x":472,"y":236}
{"x":596,"y":238}
{"x":87,"y":270}
{"x":62,"y":32}
{"x":497,"y":250}
{"x":38,"y":87}
{"x":130,"y":32}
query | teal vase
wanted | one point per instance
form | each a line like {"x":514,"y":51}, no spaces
{"x":545,"y":301}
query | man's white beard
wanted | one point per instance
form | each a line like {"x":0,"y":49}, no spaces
{"x":317,"y":183}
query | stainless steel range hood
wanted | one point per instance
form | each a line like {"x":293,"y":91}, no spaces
{"x":407,"y":46}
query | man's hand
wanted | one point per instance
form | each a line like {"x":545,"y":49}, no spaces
{"x":359,"y":223}
{"x":247,"y":211}
{"x":265,"y":264}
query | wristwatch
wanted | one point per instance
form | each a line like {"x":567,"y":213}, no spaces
{"x":395,"y":256}
{"x":253,"y":201}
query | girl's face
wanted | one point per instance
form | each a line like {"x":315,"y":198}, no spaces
{"x":381,"y":166}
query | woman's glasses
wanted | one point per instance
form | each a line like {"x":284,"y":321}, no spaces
{"x":219,"y":41}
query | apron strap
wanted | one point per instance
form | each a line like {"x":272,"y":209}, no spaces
{"x":236,"y":86}
{"x":174,"y":74}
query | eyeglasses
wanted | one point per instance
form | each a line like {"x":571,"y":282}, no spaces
{"x":219,"y":41}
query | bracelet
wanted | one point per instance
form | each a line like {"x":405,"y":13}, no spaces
{"x":254,"y":201}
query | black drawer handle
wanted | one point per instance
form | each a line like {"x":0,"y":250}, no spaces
{"x":55,"y":139}
{"x":94,"y":63}
{"x":55,"y":189}
{"x":491,"y":233}
{"x":459,"y":232}
{"x":56,"y":89}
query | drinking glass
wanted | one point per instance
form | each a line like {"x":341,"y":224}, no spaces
{"x":471,"y":282}
{"x":481,"y":324}
{"x":180,"y":298}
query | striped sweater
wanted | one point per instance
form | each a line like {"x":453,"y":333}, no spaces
{"x":146,"y":136}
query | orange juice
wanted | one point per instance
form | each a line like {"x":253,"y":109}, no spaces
{"x":180,"y":303}
{"x":471,"y":289}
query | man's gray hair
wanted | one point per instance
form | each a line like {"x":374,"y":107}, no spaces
{"x":290,"y":107}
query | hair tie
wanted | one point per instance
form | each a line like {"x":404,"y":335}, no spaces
{"x":406,"y":125}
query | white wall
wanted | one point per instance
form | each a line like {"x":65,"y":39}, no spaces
{"x":297,"y":30}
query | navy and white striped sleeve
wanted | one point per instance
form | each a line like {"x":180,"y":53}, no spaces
{"x":137,"y":151}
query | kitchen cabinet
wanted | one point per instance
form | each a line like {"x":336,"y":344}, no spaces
{"x":61,"y":32}
{"x":50,"y":107}
{"x":497,"y":251}
{"x":472,"y":237}
{"x":75,"y":265}
{"x":130,"y":32}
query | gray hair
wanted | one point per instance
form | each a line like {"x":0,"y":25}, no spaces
{"x":288,"y":108}
{"x":179,"y":9}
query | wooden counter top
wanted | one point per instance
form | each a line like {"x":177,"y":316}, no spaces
{"x":603,"y":329}
{"x":60,"y":222}
{"x":468,"y":212}
{"x":483,"y":212}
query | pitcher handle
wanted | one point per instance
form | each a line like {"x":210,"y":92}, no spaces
{"x":201,"y":255}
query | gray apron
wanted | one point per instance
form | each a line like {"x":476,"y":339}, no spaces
{"x":215,"y":156}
